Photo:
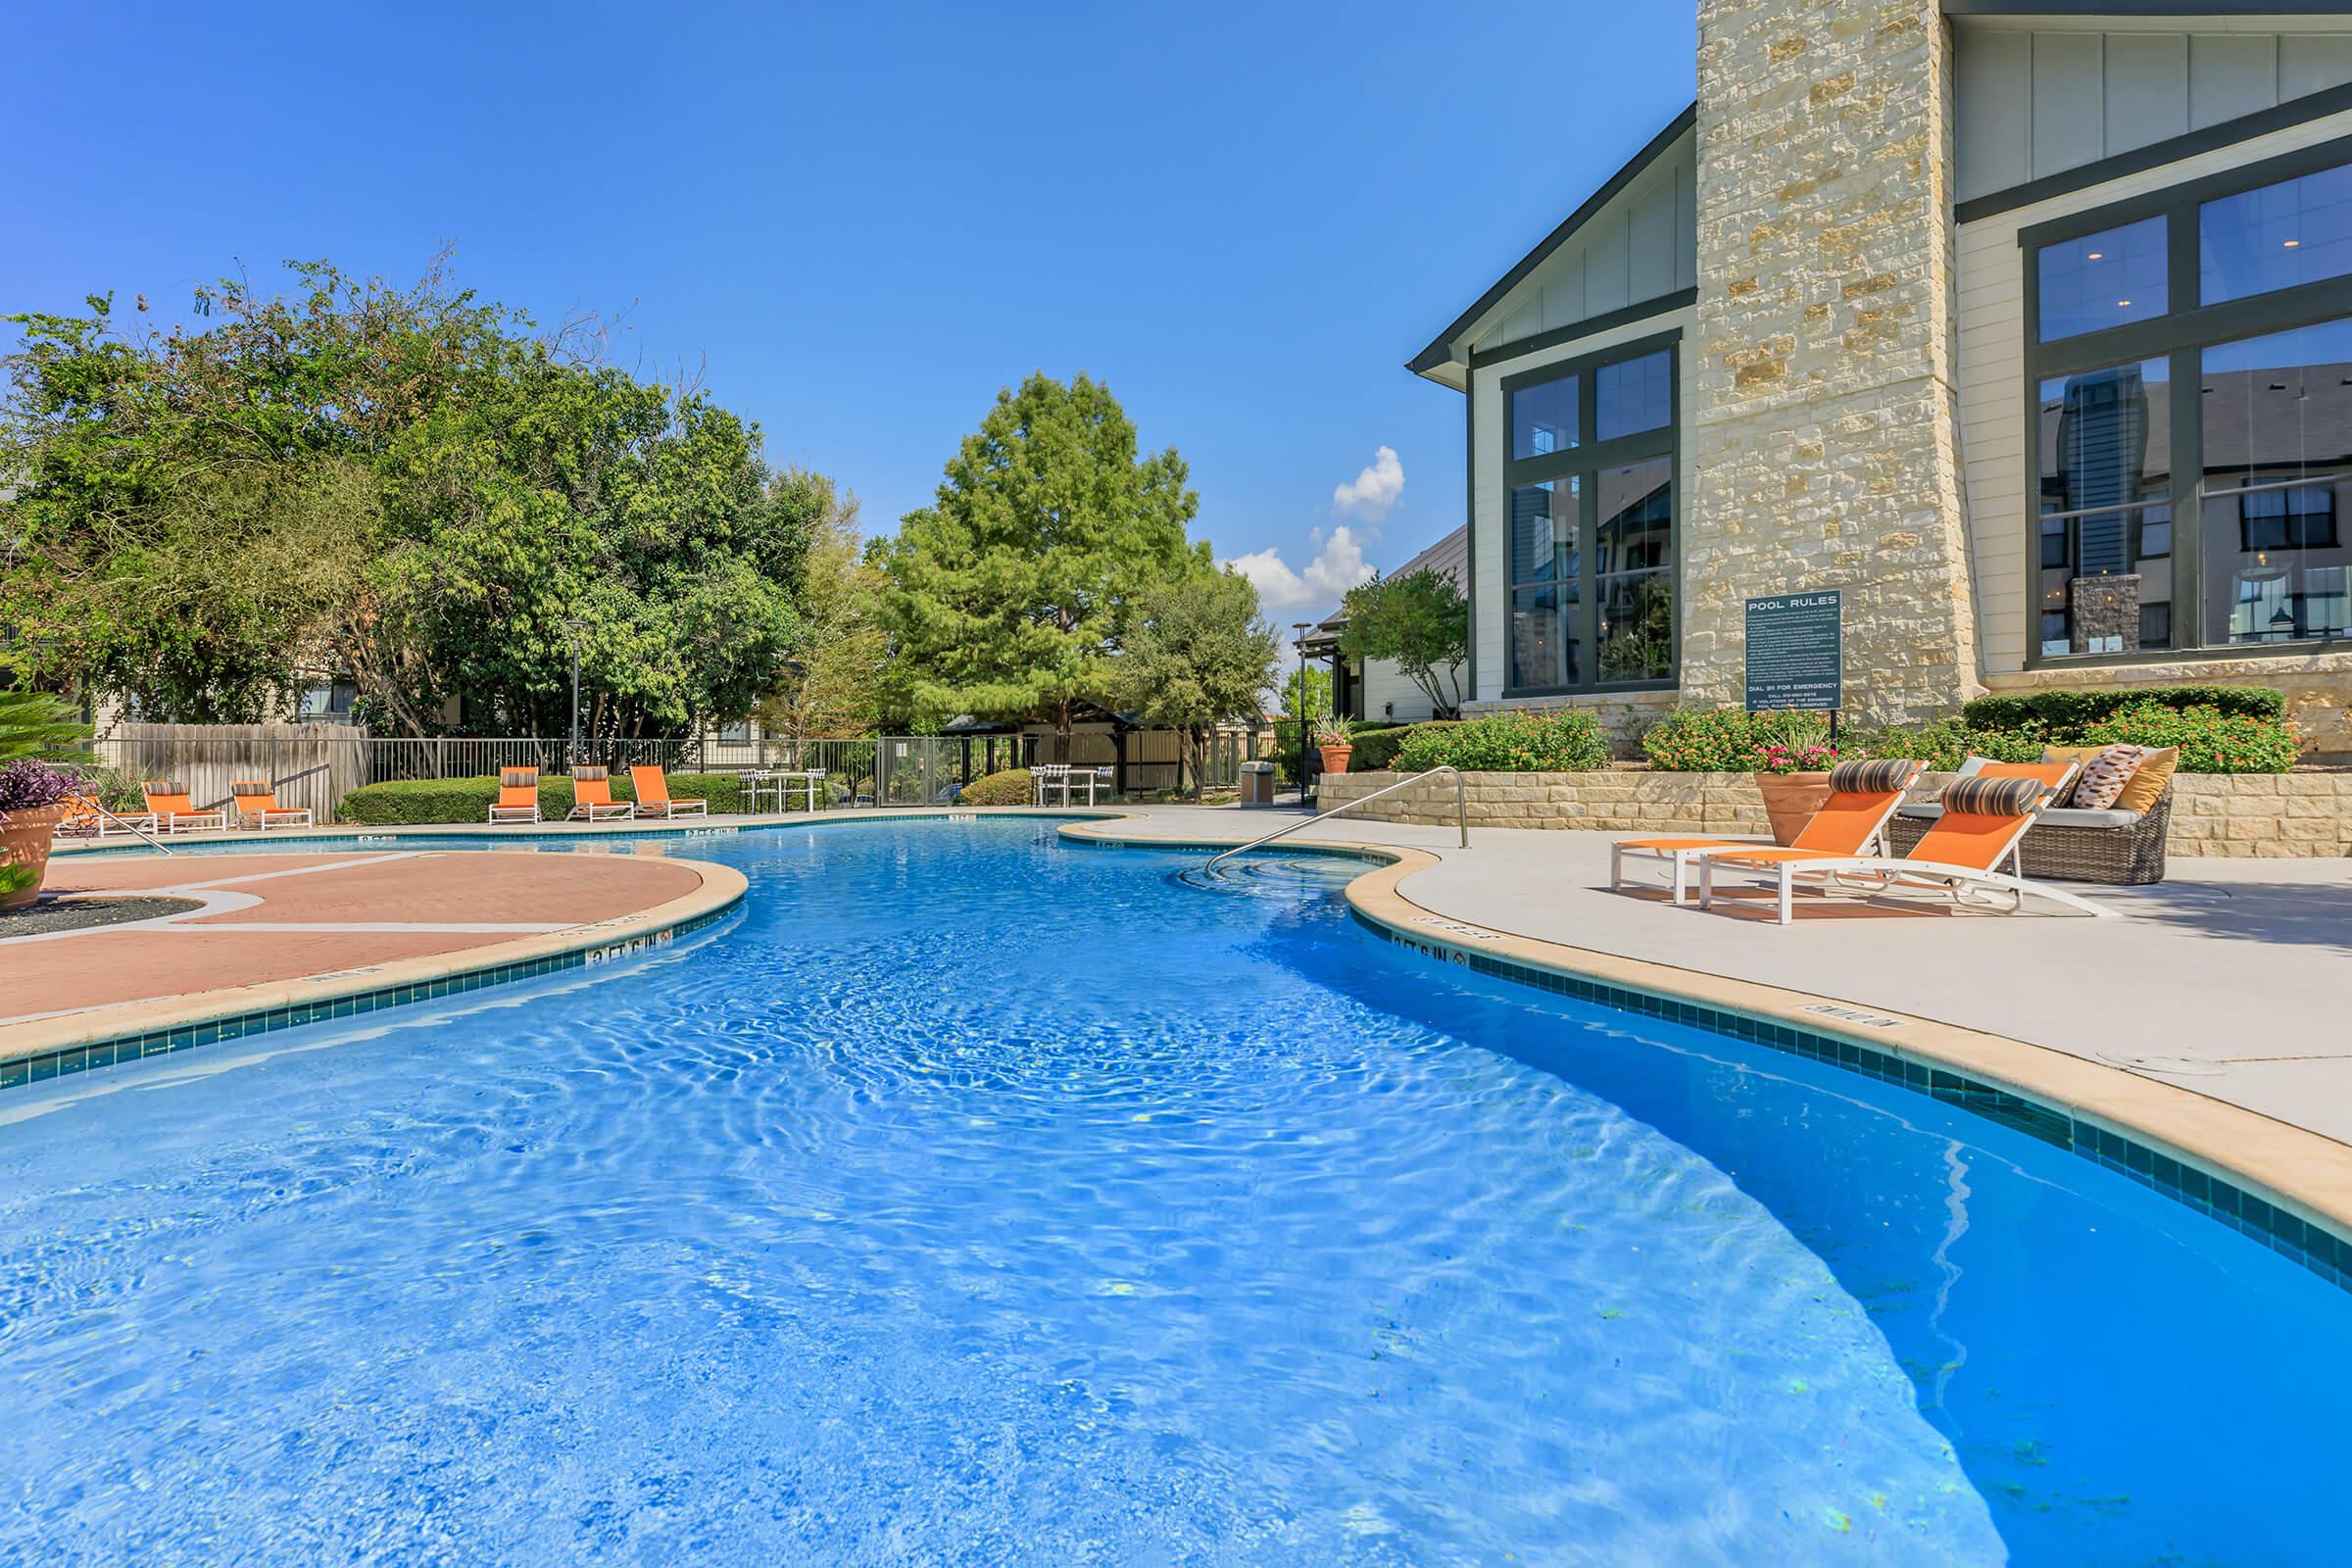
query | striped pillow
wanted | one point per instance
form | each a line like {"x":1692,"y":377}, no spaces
{"x":1994,"y":797}
{"x":1882,"y":776}
{"x":591,"y":775}
{"x":248,"y":786}
{"x":516,"y":778}
{"x":166,"y":786}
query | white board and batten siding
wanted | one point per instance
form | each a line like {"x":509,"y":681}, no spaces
{"x":1490,"y":499}
{"x":1990,"y":361}
{"x":2039,"y":99}
{"x":1637,"y":247}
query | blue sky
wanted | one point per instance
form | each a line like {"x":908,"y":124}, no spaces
{"x":859,"y":221}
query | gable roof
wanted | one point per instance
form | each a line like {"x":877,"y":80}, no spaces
{"x":1440,"y":350}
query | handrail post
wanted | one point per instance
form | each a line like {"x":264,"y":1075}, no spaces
{"x":1462,"y":808}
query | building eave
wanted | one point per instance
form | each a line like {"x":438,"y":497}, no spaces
{"x":1437,"y":362}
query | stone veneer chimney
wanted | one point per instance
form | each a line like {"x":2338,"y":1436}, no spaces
{"x":1823,"y":419}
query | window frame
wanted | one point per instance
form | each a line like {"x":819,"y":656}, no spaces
{"x":2180,"y":336}
{"x":1583,"y":462}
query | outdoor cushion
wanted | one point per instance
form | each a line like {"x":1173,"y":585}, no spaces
{"x":515,"y":779}
{"x":2056,"y":816}
{"x":1992,"y":797}
{"x":2151,"y":780}
{"x":590,"y":773}
{"x":2105,"y":772}
{"x":1878,"y":778}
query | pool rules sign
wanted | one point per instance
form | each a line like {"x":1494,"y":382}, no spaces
{"x":1796,"y":652}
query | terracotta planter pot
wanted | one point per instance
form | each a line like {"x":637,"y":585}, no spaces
{"x":1790,"y":800}
{"x":1335,"y":757}
{"x":24,"y":843}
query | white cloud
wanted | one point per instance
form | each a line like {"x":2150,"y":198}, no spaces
{"x":1374,"y":490}
{"x":1337,"y":567}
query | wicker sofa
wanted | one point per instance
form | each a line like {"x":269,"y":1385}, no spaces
{"x":2066,"y":844}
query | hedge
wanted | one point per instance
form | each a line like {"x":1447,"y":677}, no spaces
{"x":1376,"y":749}
{"x":1568,"y":741}
{"x":409,"y":803}
{"x":2211,"y":739}
{"x":1727,"y":740}
{"x":1011,"y":787}
{"x":2065,"y":715}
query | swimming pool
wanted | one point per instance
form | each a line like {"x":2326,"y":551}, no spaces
{"x":972,"y":1198}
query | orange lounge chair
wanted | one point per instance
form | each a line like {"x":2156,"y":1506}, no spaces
{"x":257,"y":805}
{"x":517,"y":796}
{"x":173,"y":813}
{"x":1863,"y":797}
{"x":86,"y":817}
{"x":652,"y":785}
{"x":592,"y":797}
{"x":1959,"y":857}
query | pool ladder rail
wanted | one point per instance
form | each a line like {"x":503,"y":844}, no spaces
{"x":1461,"y":810}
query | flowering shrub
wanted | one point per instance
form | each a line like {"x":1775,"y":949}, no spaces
{"x":29,"y":786}
{"x":2210,"y":741}
{"x":1806,"y":756}
{"x":1565,"y":742}
{"x":1945,"y":743}
{"x":1727,"y":740}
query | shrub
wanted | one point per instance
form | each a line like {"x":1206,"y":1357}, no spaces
{"x":1011,"y":787}
{"x":1727,"y":740}
{"x":1376,"y":749}
{"x":409,"y":803}
{"x":1943,"y":743}
{"x":2212,"y":739}
{"x":2065,"y":717}
{"x":1567,"y":742}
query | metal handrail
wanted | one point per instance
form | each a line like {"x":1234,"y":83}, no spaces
{"x":100,"y":808}
{"x":1461,"y":810}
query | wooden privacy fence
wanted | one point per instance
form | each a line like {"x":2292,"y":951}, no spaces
{"x":313,"y":764}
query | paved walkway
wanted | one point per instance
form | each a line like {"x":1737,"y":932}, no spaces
{"x":2233,"y":978}
{"x":282,"y":916}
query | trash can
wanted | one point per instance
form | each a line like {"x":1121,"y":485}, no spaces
{"x":1257,"y":783}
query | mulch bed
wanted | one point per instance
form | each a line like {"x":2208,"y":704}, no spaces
{"x":82,"y":915}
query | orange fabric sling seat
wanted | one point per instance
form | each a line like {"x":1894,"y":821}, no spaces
{"x":1862,"y":797}
{"x":257,"y":805}
{"x":168,"y":804}
{"x":517,"y":796}
{"x":652,"y":785}
{"x":592,"y":797}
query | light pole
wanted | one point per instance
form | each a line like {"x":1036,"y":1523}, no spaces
{"x":1302,"y":627}
{"x":571,"y":634}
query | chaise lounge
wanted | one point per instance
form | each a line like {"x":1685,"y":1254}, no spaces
{"x":1863,"y":796}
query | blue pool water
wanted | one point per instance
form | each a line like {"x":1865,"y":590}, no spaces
{"x":972,"y":1199}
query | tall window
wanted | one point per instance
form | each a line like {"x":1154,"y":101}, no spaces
{"x":2195,"y":453}
{"x":1591,"y":469}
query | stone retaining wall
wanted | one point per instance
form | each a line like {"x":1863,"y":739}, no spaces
{"x":2305,"y":813}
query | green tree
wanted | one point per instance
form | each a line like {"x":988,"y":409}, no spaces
{"x":1196,"y":655}
{"x":836,"y":686}
{"x":1010,"y":595}
{"x":403,"y":484}
{"x":1306,"y":690}
{"x":1419,"y":621}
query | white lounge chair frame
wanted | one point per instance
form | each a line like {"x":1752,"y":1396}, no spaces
{"x":1683,"y":859}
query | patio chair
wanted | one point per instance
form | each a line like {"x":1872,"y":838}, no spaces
{"x":257,"y":805}
{"x":86,"y":817}
{"x":517,"y":796}
{"x":1863,"y":796}
{"x":173,"y":813}
{"x":1959,"y":859}
{"x":652,"y":787}
{"x":592,"y":797}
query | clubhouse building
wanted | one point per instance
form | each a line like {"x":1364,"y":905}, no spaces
{"x":2026,"y":327}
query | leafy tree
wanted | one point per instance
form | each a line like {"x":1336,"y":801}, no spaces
{"x":836,"y":686}
{"x":401,"y":483}
{"x":1196,"y":654}
{"x":1421,"y":622}
{"x":1010,"y":595}
{"x":1306,"y":690}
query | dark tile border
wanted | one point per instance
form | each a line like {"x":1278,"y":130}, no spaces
{"x":2317,"y":1249}
{"x":25,"y":1071}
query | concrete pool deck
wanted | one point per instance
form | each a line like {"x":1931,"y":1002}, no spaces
{"x":2232,"y":979}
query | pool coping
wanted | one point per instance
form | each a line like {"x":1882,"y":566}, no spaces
{"x":2283,"y":1186}
{"x":41,"y":1049}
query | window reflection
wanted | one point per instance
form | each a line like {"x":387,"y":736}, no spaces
{"x":1633,"y":556}
{"x":2103,"y":279}
{"x":1633,"y":395}
{"x":2296,"y":231}
{"x":1545,"y":567}
{"x":1544,"y":416}
{"x":2106,"y":510}
{"x":2277,"y":412}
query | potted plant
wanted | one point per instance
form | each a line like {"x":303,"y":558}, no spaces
{"x":1335,"y":739}
{"x":33,"y":798}
{"x":1795,"y":781}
